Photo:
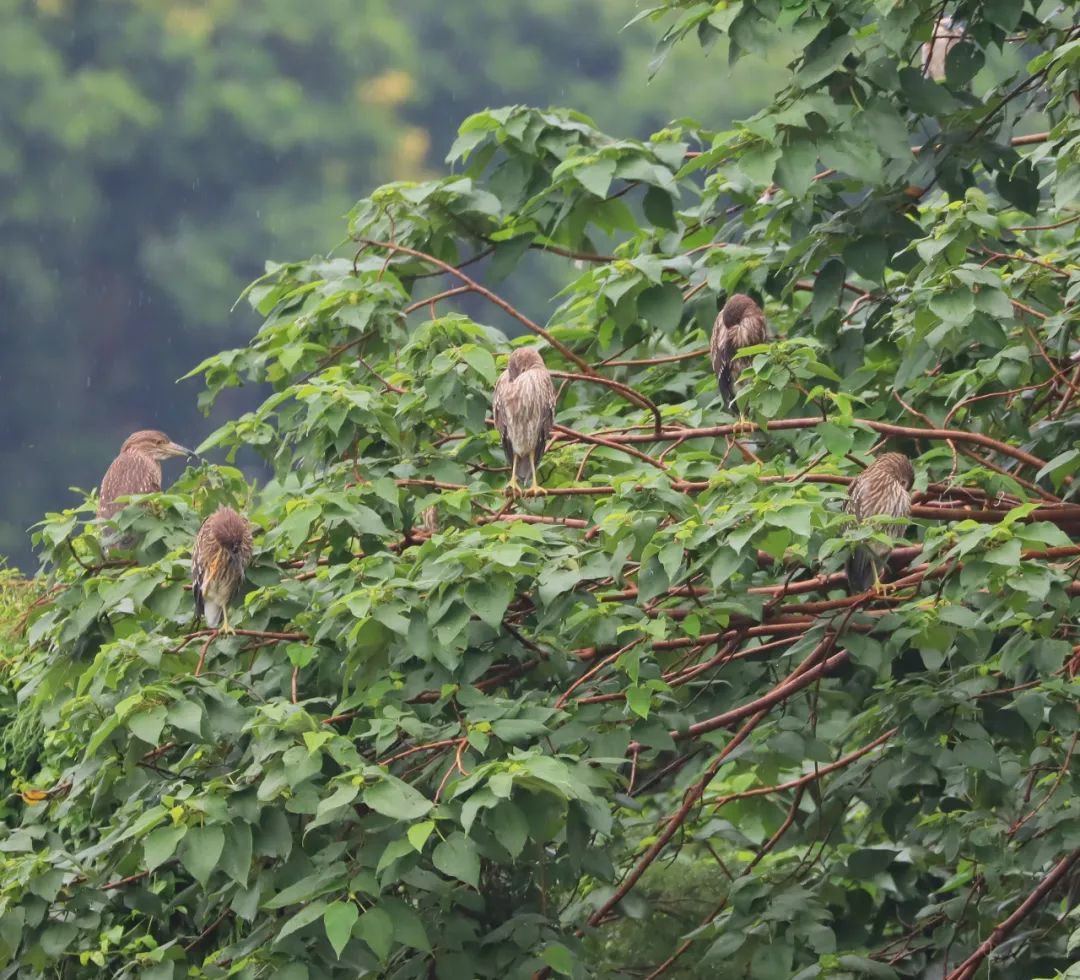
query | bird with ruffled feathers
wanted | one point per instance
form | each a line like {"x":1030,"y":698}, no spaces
{"x":219,"y":562}
{"x":883,"y":489}
{"x":741,"y":323}
{"x":524,"y":410}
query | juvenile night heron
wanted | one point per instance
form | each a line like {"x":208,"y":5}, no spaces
{"x":524,"y":410}
{"x":741,"y":323}
{"x":219,"y":562}
{"x":947,"y":33}
{"x":137,"y":469}
{"x":881,"y":490}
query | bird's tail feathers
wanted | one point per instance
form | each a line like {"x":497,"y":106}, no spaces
{"x":725,"y":376}
{"x":860,"y":569}
{"x":523,"y":470}
{"x":727,"y":386}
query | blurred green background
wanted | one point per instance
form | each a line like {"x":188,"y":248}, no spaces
{"x":154,"y":154}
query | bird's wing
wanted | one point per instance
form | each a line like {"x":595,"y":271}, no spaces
{"x":750,"y":331}
{"x":129,"y":473}
{"x":499,"y":409}
{"x":896,"y":503}
{"x":877,"y":494}
{"x":540,"y":389}
{"x":853,"y":501}
{"x":719,"y":344}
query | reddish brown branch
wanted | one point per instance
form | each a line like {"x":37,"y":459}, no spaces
{"x":610,"y":444}
{"x":809,"y":777}
{"x":625,"y":390}
{"x":666,"y":359}
{"x":486,"y":293}
{"x":1001,"y":932}
{"x":691,"y":799}
{"x":438,"y":297}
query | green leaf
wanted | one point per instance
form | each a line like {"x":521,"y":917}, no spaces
{"x":828,"y":286}
{"x":639,"y":699}
{"x":147,"y":725}
{"x":330,"y":809}
{"x":797,"y":165}
{"x":658,"y":208}
{"x":510,"y":827}
{"x":837,"y":439}
{"x":559,"y":959}
{"x":1002,"y":13}
{"x":56,"y":938}
{"x":482,"y":362}
{"x":955,"y":306}
{"x":456,"y":856}
{"x":1020,"y":187}
{"x":963,"y":62}
{"x":393,"y":798}
{"x":554,"y":581}
{"x":408,"y":926}
{"x":418,"y":833}
{"x":868,"y":257}
{"x":596,"y":177}
{"x":1060,"y":461}
{"x":489,"y":598}
{"x":236,"y":857}
{"x":160,"y":845}
{"x":376,"y":928}
{"x":307,"y":915}
{"x":187,"y":716}
{"x":200,"y":850}
{"x":661,"y":306}
{"x":867,"y":862}
{"x":338,"y":920}
{"x":310,"y":886}
{"x":518,"y":729}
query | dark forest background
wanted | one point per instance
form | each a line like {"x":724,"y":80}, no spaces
{"x":153,"y":154}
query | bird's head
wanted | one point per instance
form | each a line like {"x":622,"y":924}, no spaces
{"x":899,"y":467}
{"x":232,"y":533}
{"x":155,"y":444}
{"x":523,"y":359}
{"x":737,"y":307}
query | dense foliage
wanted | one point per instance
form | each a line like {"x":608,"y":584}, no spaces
{"x":155,"y":154}
{"x":634,"y":726}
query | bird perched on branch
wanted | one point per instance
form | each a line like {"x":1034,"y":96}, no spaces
{"x":524,"y":410}
{"x":881,"y":490}
{"x":741,"y":323}
{"x":219,"y":562}
{"x":137,"y":469}
{"x":947,"y":33}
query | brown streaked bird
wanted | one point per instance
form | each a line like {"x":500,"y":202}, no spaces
{"x":946,"y":34}
{"x":137,"y":469}
{"x":741,"y":323}
{"x":219,"y":562}
{"x":883,"y":489}
{"x":524,"y":410}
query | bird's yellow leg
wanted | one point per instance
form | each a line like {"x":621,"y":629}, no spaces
{"x":881,"y":588}
{"x":225,"y":628}
{"x":535,"y":490}
{"x":513,"y":489}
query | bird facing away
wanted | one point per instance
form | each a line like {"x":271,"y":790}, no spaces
{"x":881,"y":490}
{"x":137,"y":469}
{"x":219,"y":562}
{"x":741,"y":323}
{"x":947,"y":33}
{"x":524,"y":410}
